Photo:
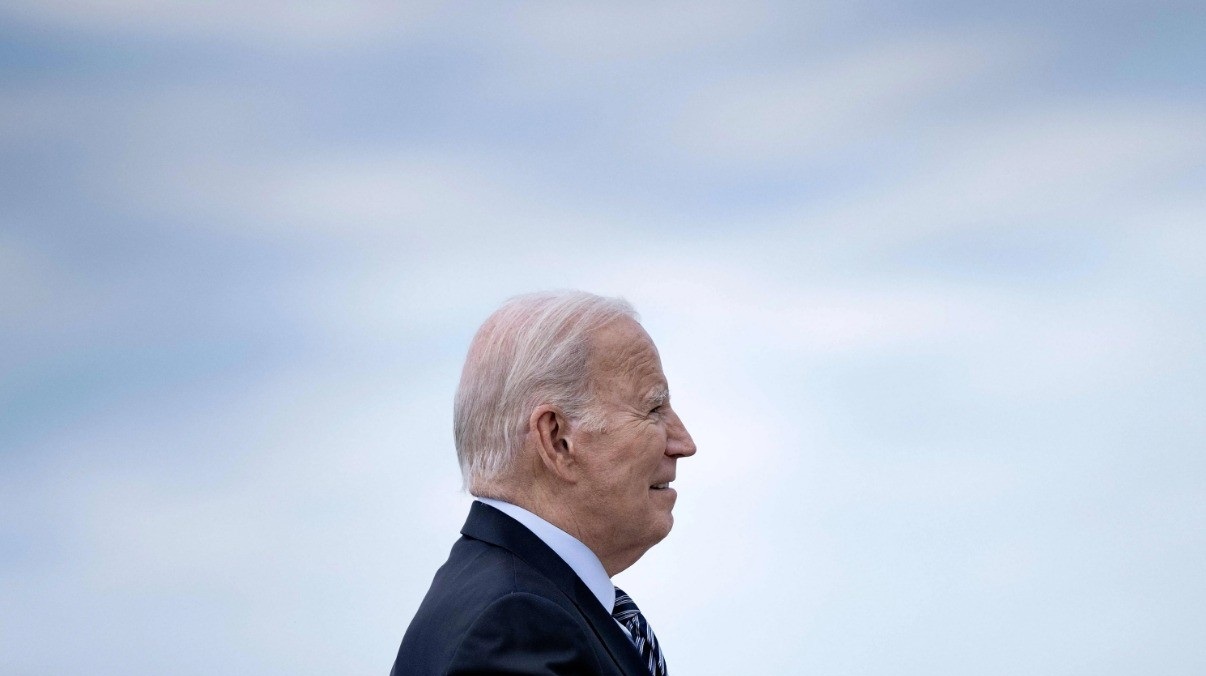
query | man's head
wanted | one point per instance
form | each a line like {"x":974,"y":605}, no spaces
{"x":563,"y":409}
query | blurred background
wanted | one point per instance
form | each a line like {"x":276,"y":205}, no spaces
{"x":927,"y":279}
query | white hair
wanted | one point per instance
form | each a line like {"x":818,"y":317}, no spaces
{"x":533,"y":350}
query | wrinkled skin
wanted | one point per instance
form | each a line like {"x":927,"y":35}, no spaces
{"x":614,"y":508}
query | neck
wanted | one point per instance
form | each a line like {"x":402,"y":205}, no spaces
{"x":560,"y":513}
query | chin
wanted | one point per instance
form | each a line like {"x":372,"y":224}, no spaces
{"x":664,"y":527}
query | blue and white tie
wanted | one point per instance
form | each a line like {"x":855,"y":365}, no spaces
{"x":627,"y":613}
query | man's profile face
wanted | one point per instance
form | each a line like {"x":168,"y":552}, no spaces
{"x":623,"y":498}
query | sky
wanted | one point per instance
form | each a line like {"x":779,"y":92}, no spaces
{"x":926,"y":278}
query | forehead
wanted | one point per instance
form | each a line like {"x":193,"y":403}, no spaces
{"x":624,"y":351}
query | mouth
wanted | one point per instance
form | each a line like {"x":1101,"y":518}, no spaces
{"x":660,"y":487}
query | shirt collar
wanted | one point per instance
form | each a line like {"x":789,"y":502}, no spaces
{"x":578,"y":556}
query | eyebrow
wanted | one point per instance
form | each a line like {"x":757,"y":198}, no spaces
{"x":659,"y":396}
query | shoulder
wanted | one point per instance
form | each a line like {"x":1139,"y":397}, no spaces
{"x":525,"y":633}
{"x":487,"y":610}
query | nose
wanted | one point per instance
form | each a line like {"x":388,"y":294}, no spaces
{"x":678,"y":440}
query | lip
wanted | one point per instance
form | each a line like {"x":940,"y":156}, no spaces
{"x":668,"y":496}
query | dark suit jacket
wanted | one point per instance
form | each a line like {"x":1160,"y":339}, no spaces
{"x":505,"y":603}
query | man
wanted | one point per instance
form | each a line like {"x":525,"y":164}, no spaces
{"x":566,"y":436}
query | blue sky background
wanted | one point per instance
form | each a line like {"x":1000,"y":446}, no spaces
{"x":927,"y":279}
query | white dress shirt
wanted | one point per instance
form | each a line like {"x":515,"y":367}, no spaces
{"x":578,"y":556}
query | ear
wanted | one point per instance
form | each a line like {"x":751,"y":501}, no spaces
{"x":553,"y":444}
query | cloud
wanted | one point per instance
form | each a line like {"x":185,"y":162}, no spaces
{"x":270,"y":24}
{"x":209,"y":504}
{"x":932,"y":318}
{"x":788,"y":115}
{"x":45,"y":305}
{"x":403,"y":193}
{"x":1048,"y":160}
{"x":1092,"y":170}
{"x":636,"y":31}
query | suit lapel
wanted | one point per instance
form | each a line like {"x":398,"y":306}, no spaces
{"x":490,"y":525}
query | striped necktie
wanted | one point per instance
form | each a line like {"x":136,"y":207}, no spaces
{"x":627,"y":613}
